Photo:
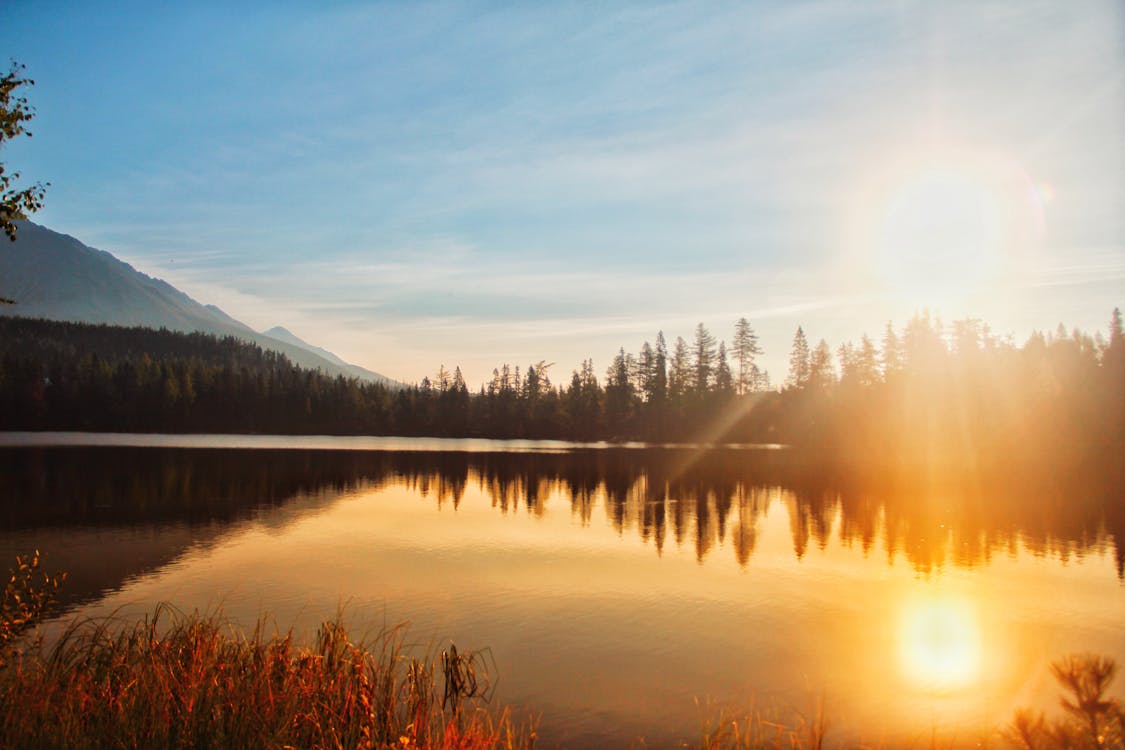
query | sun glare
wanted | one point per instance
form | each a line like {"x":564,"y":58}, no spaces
{"x":939,"y":645}
{"x":938,"y":230}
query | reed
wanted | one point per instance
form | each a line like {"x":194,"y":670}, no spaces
{"x":758,"y":728}
{"x":176,"y":680}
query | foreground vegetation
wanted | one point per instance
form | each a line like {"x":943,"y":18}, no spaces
{"x":190,"y":681}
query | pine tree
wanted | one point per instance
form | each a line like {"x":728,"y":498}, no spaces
{"x":646,"y":371}
{"x":443,"y":379}
{"x":745,"y":349}
{"x":724,"y":383}
{"x":618,"y":391}
{"x":531,"y":387}
{"x":821,"y":372}
{"x":660,"y":369}
{"x":866,"y":363}
{"x":703,"y":364}
{"x":617,"y":375}
{"x":543,"y":367}
{"x":678,"y":372}
{"x":846,"y":355}
{"x":799,"y":361}
{"x":892,"y":353}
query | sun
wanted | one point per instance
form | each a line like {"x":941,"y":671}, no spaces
{"x":939,"y":644}
{"x":939,"y":228}
{"x":940,"y":234}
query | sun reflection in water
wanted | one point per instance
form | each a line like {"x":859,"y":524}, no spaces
{"x":939,"y":644}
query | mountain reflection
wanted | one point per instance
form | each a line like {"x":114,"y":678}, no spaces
{"x":697,"y":501}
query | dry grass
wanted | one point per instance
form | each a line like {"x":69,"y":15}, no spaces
{"x":27,"y":594}
{"x":192,"y":681}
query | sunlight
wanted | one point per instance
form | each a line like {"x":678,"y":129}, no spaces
{"x":939,"y":644}
{"x":941,"y":234}
{"x":937,"y":229}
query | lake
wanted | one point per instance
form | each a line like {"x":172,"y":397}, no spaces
{"x":623,"y":592}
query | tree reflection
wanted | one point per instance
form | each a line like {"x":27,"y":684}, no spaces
{"x":711,"y":502}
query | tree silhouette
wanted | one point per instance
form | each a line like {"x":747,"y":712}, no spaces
{"x":703,"y":359}
{"x":799,"y":361}
{"x":821,"y":372}
{"x":745,"y":348}
{"x":892,"y":353}
{"x":678,"y":370}
{"x":15,"y":113}
{"x":973,"y":400}
{"x":724,"y":382}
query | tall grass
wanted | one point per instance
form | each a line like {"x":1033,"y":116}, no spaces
{"x":757,"y":729}
{"x":26,"y":595}
{"x":175,"y":680}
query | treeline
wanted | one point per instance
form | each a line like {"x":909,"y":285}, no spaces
{"x":927,"y":392}
{"x":75,"y":376}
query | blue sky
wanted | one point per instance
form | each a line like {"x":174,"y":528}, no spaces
{"x":415,"y":184}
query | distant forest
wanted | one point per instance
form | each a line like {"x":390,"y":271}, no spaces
{"x":928,"y":393}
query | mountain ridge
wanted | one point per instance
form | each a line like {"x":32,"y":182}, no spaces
{"x":56,"y":276}
{"x":281,"y":333}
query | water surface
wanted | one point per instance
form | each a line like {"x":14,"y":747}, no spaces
{"x":617,"y":589}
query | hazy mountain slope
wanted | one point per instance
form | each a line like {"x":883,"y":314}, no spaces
{"x":284,"y":334}
{"x":54,"y":276}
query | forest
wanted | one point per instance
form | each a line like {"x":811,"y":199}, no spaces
{"x":928,"y":393}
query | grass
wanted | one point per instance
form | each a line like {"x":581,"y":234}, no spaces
{"x":191,"y":681}
{"x":758,"y":729}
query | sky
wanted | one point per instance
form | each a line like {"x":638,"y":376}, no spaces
{"x":412,"y":185}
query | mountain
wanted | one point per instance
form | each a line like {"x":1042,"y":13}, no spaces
{"x":285,"y":335}
{"x":54,"y":276}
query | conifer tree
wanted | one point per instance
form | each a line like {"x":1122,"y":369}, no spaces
{"x":646,"y":371}
{"x":724,"y":383}
{"x":866,"y":363}
{"x":745,"y":348}
{"x":892,"y":353}
{"x":660,"y":369}
{"x":821,"y":372}
{"x":703,"y":362}
{"x":443,"y":379}
{"x":846,"y":355}
{"x":678,"y":370}
{"x":531,"y":386}
{"x":799,"y":361}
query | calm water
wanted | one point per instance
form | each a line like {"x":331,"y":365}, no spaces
{"x":618,"y":589}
